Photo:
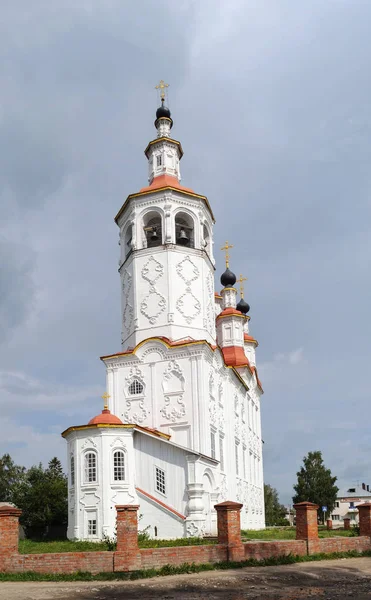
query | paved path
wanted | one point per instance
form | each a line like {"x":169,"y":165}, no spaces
{"x":328,"y":580}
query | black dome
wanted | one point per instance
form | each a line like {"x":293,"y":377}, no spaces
{"x":228,"y":278}
{"x":163,"y":111}
{"x":243,"y":307}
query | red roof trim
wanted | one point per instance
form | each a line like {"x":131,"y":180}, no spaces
{"x":172,"y":510}
{"x":164,"y":181}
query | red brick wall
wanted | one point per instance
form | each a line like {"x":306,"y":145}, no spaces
{"x":129,"y":557}
{"x":261,"y":550}
{"x":68,"y":562}
{"x":339,"y":544}
{"x":158,"y":557}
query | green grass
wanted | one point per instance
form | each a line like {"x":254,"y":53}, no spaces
{"x":182,"y":569}
{"x":289,"y":533}
{"x":35,"y":547}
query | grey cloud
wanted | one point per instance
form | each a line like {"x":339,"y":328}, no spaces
{"x":17,"y":288}
{"x":270,"y":102}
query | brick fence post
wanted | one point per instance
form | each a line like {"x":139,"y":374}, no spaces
{"x":307,"y":525}
{"x":329,"y":524}
{"x":346,"y":523}
{"x":229,"y":529}
{"x":127,"y":556}
{"x":9,"y":534}
{"x":364,"y":511}
{"x":306,"y":521}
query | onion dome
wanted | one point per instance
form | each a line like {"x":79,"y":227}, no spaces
{"x":163,"y":112}
{"x":105,"y":418}
{"x":228,"y":279}
{"x":243,"y":307}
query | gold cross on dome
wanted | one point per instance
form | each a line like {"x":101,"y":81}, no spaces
{"x":226,"y":247}
{"x":162,"y":86}
{"x":241,"y":282}
{"x":105,"y":398}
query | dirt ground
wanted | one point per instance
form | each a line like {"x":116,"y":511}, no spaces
{"x":329,"y":580}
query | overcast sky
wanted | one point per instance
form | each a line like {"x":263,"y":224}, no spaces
{"x":271,"y":101}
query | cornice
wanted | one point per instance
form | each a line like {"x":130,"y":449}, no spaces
{"x":163,"y":189}
{"x":164,"y":139}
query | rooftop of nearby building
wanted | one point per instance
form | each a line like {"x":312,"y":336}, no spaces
{"x":355,"y":491}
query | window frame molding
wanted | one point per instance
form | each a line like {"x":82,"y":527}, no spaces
{"x":84,"y":482}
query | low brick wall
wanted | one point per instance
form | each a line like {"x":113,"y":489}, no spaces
{"x":69,"y":562}
{"x":178,"y":555}
{"x":129,"y":556}
{"x":261,"y":550}
{"x":339,"y":544}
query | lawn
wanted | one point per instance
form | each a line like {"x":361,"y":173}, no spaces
{"x":288,"y":533}
{"x":271,"y":533}
{"x":35,"y":547}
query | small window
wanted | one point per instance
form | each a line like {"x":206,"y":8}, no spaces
{"x":352,"y":490}
{"x":92,"y":527}
{"x":337,"y":504}
{"x":351,"y":504}
{"x":119,"y":466}
{"x":159,"y":160}
{"x":135,"y":387}
{"x":160,"y":481}
{"x":90,"y":467}
{"x":244,"y":461}
{"x":335,"y":517}
{"x":236,"y":455}
{"x":72,"y":470}
{"x":221,"y":453}
{"x":212,"y":442}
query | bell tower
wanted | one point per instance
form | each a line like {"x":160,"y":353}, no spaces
{"x":166,"y":263}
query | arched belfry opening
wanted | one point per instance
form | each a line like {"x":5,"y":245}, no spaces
{"x":128,"y":240}
{"x":152,"y":226}
{"x":206,"y":236}
{"x":184,"y":230}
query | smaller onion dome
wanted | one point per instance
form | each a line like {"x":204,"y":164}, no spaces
{"x":228,"y":279}
{"x":163,"y":111}
{"x":105,"y":418}
{"x":243,"y":307}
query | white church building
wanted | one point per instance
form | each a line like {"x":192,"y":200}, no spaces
{"x":181,"y":430}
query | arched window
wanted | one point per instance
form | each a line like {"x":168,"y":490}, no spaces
{"x":119,"y":465}
{"x":90,"y":467}
{"x":128,"y":240}
{"x":184,"y":230}
{"x":72,"y":470}
{"x":136,"y":387}
{"x":153,"y":229}
{"x":206,"y":236}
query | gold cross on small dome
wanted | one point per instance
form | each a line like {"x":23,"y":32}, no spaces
{"x":105,"y":398}
{"x":241,"y":282}
{"x":162,"y":86}
{"x":226,"y":247}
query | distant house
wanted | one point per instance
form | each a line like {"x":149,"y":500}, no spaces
{"x":347,"y":502}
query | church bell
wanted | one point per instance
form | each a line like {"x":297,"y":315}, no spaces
{"x":183,"y":239}
{"x":154,"y":236}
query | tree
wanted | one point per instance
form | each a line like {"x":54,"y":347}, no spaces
{"x":274,"y":511}
{"x":11,"y":477}
{"x":315,"y":482}
{"x":43,"y":497}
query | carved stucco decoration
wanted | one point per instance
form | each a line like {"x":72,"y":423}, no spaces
{"x":136,"y":410}
{"x":187,"y":304}
{"x":88,"y":442}
{"x":90,"y":498}
{"x":173,"y":408}
{"x":154,"y":304}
